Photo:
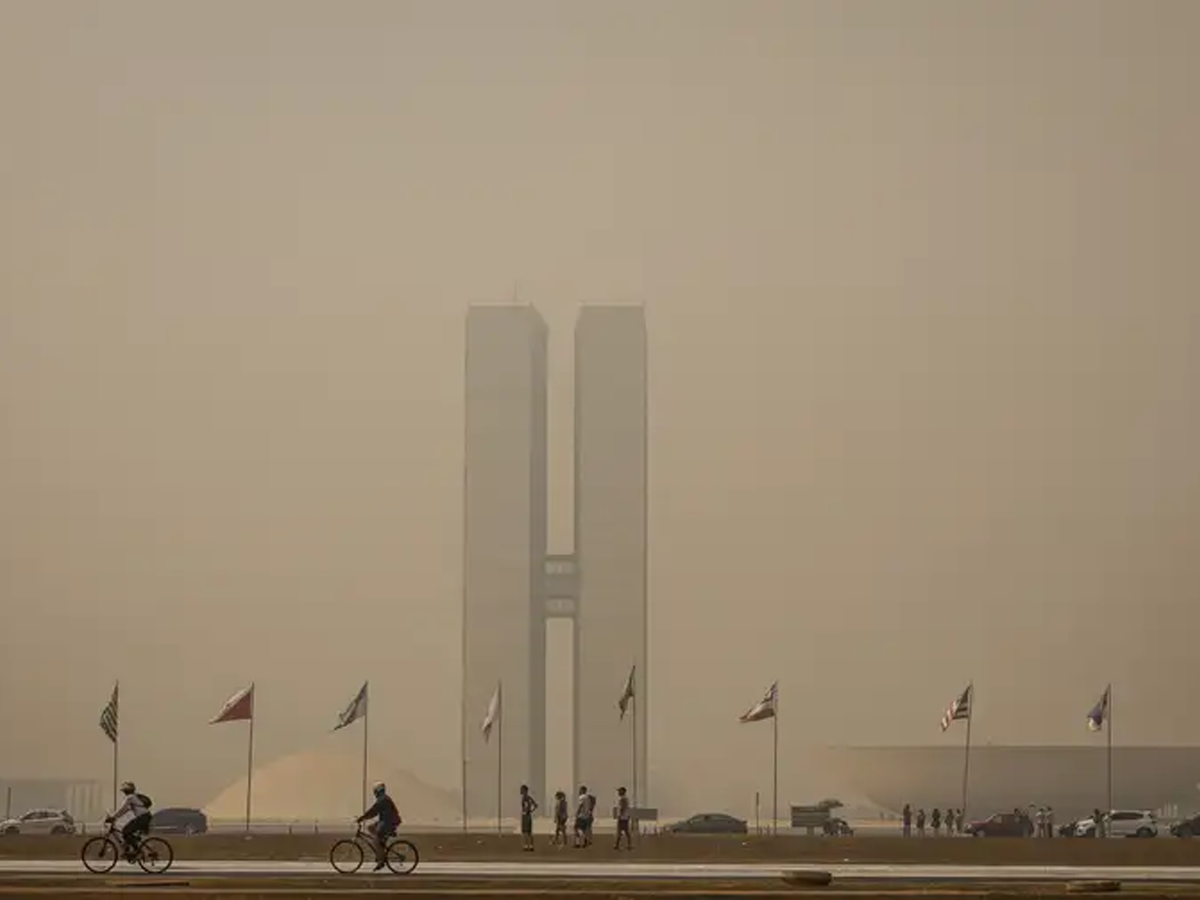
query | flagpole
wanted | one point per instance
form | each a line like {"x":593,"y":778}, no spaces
{"x":116,"y":744}
{"x":775,"y":769}
{"x":1109,"y":730}
{"x":633,"y":709}
{"x":499,"y":756}
{"x":462,"y":749}
{"x":366,"y":716}
{"x":967,"y":754}
{"x":464,"y":792}
{"x":250,"y":759}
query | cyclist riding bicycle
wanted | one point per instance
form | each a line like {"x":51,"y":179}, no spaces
{"x":136,"y":813}
{"x":387,"y":818}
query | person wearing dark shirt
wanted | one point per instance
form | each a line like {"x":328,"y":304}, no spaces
{"x":387,"y":820}
{"x":582,"y":823}
{"x":560,"y":818}
{"x":528,"y":806}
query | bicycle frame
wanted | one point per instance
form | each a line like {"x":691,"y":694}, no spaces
{"x":117,"y":836}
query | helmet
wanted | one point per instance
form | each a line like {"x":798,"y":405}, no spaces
{"x":128,"y":787}
{"x":380,"y":789}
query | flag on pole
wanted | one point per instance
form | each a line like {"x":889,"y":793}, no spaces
{"x":958,"y":710}
{"x":108,"y":718}
{"x":764,"y":708}
{"x":237,"y":708}
{"x":1099,"y":714}
{"x":493,"y":712}
{"x":355,"y":711}
{"x":627,"y":694}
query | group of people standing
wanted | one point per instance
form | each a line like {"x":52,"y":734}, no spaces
{"x":952,"y":821}
{"x":585,"y":818}
{"x":1043,"y":819}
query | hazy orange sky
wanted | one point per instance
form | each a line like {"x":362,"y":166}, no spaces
{"x":924,"y":305}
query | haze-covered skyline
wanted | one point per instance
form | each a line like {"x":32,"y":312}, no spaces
{"x":922,"y":306}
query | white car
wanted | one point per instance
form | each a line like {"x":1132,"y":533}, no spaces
{"x":40,"y":821}
{"x":1138,"y":823}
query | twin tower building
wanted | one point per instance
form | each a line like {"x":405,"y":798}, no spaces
{"x":513,"y":585}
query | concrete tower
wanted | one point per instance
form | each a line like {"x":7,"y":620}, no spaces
{"x":511,"y":586}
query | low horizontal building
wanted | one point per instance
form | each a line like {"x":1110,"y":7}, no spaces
{"x":85,"y":799}
{"x":1071,"y":779}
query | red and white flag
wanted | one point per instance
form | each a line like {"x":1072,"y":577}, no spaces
{"x":960,"y":709}
{"x":237,"y":708}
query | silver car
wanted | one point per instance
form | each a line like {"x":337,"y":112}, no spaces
{"x":40,"y":821}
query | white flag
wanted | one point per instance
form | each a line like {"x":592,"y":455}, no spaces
{"x":493,"y":713}
{"x":355,"y":711}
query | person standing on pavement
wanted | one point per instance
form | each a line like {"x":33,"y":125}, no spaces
{"x":528,"y":807}
{"x":622,"y":814}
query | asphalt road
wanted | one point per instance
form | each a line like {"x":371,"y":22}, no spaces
{"x":633,"y":870}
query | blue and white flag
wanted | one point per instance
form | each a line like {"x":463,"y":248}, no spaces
{"x":1099,"y":714}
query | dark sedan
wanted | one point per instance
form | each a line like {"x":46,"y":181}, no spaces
{"x":1189,"y":827}
{"x":1001,"y":825}
{"x":179,"y":820}
{"x":708,"y":823}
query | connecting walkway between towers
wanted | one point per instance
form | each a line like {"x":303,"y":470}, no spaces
{"x":562,"y":586}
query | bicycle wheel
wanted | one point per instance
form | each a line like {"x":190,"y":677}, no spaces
{"x":100,"y":854}
{"x":155,"y":856}
{"x":402,"y":857}
{"x":346,"y":856}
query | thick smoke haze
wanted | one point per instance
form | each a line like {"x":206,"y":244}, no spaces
{"x":923,"y":302}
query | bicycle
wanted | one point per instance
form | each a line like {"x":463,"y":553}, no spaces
{"x":347,"y":855}
{"x":101,"y":853}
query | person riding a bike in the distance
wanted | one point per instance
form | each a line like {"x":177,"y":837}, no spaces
{"x":387,"y":818}
{"x":135,"y":812}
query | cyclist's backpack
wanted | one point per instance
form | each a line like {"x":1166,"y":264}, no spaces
{"x":146,"y":801}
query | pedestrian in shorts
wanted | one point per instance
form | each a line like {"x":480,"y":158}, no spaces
{"x":560,"y":819}
{"x":528,"y":806}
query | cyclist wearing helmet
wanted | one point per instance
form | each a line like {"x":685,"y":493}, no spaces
{"x":136,"y":812}
{"x":387,"y":818}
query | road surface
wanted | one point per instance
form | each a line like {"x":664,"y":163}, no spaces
{"x":634,"y":870}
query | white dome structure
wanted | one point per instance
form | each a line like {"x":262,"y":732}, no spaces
{"x":326,"y":785}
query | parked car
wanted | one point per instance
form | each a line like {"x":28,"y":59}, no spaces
{"x":1189,"y":827}
{"x":40,"y":821}
{"x":1067,"y":830}
{"x":1001,"y":825}
{"x":708,"y":823}
{"x":179,"y":820}
{"x":1138,"y":823}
